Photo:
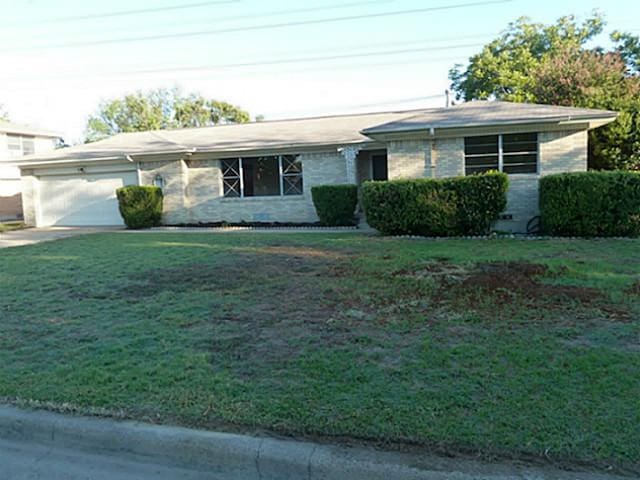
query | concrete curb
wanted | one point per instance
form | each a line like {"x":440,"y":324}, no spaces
{"x":240,"y":456}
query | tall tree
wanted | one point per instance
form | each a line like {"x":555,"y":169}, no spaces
{"x":551,"y":65}
{"x":502,"y":69}
{"x":159,"y":110}
{"x":595,"y":79}
{"x":628,"y":46}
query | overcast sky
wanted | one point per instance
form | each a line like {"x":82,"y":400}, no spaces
{"x":277,"y":58}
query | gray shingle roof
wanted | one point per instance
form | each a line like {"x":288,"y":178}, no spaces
{"x":310,"y":132}
{"x":18,"y":129}
{"x":478,"y":113}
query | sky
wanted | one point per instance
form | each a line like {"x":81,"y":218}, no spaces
{"x":59,"y":59}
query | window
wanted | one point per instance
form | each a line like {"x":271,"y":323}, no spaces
{"x":262,"y":176}
{"x":14,"y":142}
{"x":19,"y":146}
{"x":28,"y":146}
{"x":481,"y":154}
{"x":520,"y":153}
{"x":512,"y":153}
{"x":291,"y":175}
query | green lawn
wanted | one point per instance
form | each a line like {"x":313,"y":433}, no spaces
{"x":502,"y":348}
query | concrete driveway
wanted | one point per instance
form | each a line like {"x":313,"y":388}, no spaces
{"x":29,"y":236}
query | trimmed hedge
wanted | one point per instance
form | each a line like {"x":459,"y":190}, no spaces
{"x":438,"y":208}
{"x":140,"y":206}
{"x":335,"y":204}
{"x":591,"y":204}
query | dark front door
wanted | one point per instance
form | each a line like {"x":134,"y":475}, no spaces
{"x":379,"y":169}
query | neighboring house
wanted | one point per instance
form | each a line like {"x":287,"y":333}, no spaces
{"x":15,"y":142}
{"x":263,"y":172}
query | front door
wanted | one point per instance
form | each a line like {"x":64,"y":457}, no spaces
{"x":379,"y":170}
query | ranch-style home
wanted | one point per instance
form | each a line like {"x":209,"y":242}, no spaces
{"x":263,"y":172}
{"x":17,"y":141}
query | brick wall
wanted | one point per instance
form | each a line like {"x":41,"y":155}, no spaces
{"x":174,"y":175}
{"x":563,"y":151}
{"x":194,"y":192}
{"x":418,"y":159}
{"x":408,"y":159}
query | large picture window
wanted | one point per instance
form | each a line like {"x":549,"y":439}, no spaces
{"x":510,"y":153}
{"x":262,"y":176}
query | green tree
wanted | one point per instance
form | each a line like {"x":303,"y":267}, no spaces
{"x":502,"y":69}
{"x":160,"y":110}
{"x":551,"y":65}
{"x":628,"y":46}
{"x":595,"y":79}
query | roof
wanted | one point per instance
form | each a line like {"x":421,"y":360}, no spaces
{"x":477,"y":113}
{"x":337,"y":130}
{"x":18,"y":129}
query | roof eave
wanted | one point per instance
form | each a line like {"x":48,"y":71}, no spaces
{"x":68,"y":161}
{"x":594,"y":121}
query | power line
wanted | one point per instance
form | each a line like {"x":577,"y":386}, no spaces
{"x":124,"y":13}
{"x":228,"y":66}
{"x":258,"y":27}
{"x":273,"y":13}
{"x":366,"y":105}
{"x":351,"y":66}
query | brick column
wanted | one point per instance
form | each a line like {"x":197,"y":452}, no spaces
{"x":350,"y":154}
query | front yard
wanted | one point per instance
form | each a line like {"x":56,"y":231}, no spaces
{"x":504,"y":348}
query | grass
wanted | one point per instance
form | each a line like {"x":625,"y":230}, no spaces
{"x":10,"y":226}
{"x":499,"y":348}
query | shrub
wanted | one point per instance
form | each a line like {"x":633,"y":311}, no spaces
{"x":591,"y":204}
{"x":446,"y":207}
{"x":335,"y":204}
{"x":140,"y":206}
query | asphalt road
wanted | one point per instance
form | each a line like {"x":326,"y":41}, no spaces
{"x":22,"y":461}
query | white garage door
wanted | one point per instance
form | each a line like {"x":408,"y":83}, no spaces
{"x":82,"y":200}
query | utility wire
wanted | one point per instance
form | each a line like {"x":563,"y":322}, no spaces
{"x":364,"y":105}
{"x":273,"y":13}
{"x":257,"y":27}
{"x":124,"y":13}
{"x":227,"y":66}
{"x":82,"y":85}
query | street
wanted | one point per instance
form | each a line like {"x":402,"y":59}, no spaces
{"x":23,"y":461}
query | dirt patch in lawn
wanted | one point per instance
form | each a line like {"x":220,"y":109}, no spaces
{"x":504,"y":281}
{"x":501,"y":279}
{"x":268,"y":305}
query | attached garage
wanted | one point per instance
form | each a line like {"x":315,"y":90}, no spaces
{"x":81,"y":199}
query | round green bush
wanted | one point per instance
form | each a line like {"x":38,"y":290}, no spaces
{"x":591,"y":204}
{"x":140,"y":206}
{"x":436,"y":207}
{"x":335,"y":204}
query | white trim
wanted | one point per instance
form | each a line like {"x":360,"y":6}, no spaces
{"x":241,"y":173}
{"x":280,"y":177}
{"x":500,"y":154}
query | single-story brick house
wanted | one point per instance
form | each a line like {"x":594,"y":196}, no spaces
{"x":264,"y":171}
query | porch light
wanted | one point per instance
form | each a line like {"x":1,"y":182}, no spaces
{"x":158,"y":181}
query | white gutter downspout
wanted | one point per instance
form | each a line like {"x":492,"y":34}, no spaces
{"x":432,"y":153}
{"x":138,"y":176}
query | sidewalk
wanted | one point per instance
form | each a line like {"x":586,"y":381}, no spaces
{"x":230,"y":456}
{"x":30,"y":236}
